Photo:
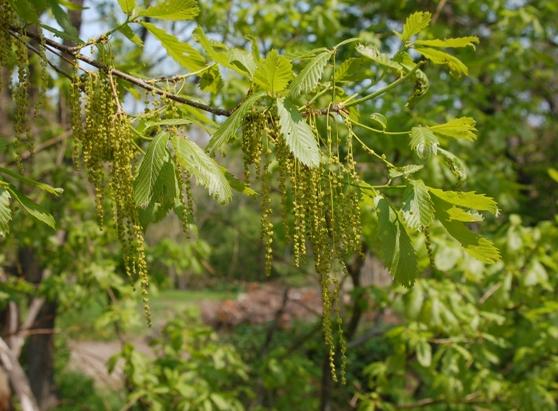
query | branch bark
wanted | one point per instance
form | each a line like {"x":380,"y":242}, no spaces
{"x":17,"y":378}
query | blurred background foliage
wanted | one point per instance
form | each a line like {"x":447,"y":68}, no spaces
{"x":467,"y":336}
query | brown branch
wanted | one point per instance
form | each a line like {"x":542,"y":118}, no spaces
{"x":18,"y":379}
{"x":70,"y":51}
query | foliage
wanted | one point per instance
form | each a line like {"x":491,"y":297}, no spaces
{"x":351,"y":136}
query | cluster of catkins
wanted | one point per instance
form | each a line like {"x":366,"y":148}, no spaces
{"x":320,"y":209}
{"x":104,"y":142}
{"x":15,"y":56}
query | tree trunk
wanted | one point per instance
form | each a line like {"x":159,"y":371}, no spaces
{"x":38,"y":351}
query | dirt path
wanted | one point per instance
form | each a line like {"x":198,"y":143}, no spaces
{"x":91,"y":357}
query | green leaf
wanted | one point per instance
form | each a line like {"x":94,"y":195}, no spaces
{"x":235,"y":59}
{"x":310,"y":76}
{"x":25,"y":10}
{"x":459,"y":214}
{"x":467,"y":199}
{"x":243,"y":60}
{"x":414,"y":299}
{"x":172,"y":10}
{"x":424,"y":353}
{"x":553,"y":173}
{"x":130,"y":35}
{"x":378,"y":57}
{"x":423,"y":142}
{"x":127,"y":6}
{"x":458,"y":128}
{"x":205,"y":170}
{"x":450,"y":43}
{"x":352,"y":69}
{"x":273,"y":73}
{"x":33,"y":209}
{"x":297,"y":133}
{"x":63,"y":19}
{"x":404,"y":171}
{"x":181,"y":52}
{"x":238,"y":185}
{"x":5,"y":212}
{"x":415,"y":23}
{"x":165,"y":189}
{"x":455,"y":164}
{"x":455,"y":65}
{"x":418,"y":210}
{"x":396,"y":249}
{"x":475,"y":245}
{"x":150,"y":166}
{"x":167,"y":122}
{"x":379,"y":119}
{"x":232,"y":124}
{"x":38,"y":184}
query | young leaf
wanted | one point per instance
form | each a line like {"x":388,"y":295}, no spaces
{"x":415,"y":23}
{"x":455,"y":65}
{"x":150,"y":166}
{"x":378,"y":57}
{"x":238,"y":185}
{"x":553,"y":173}
{"x":26,"y":180}
{"x":450,"y":43}
{"x":181,"y":52}
{"x":130,"y":35}
{"x":475,"y":245}
{"x":273,"y":73}
{"x":423,"y":142}
{"x":165,"y":189}
{"x":172,"y":10}
{"x":458,"y":128}
{"x":5,"y":212}
{"x":404,"y":171}
{"x":465,"y":216}
{"x":243,"y":60}
{"x":418,"y":210}
{"x":424,"y":353}
{"x":467,"y":199}
{"x":298,"y":134}
{"x":379,"y":119}
{"x":33,"y":209}
{"x":310,"y":75}
{"x":127,"y":6}
{"x":63,"y":20}
{"x":204,"y":169}
{"x":396,"y":249}
{"x":455,"y":164}
{"x":232,"y":124}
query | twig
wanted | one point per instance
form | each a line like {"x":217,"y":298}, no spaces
{"x":125,"y":76}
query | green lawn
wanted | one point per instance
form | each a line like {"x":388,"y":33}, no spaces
{"x":87,"y":324}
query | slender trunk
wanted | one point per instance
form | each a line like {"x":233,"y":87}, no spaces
{"x":38,"y":351}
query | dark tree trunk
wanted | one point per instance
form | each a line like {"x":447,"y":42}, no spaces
{"x":38,"y":351}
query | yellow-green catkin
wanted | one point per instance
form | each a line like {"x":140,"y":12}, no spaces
{"x":76,"y":116}
{"x":186,"y":210}
{"x":266,"y":213}
{"x":42,"y":78}
{"x":130,"y":230}
{"x":21,"y":98}
{"x":107,"y":150}
{"x":7,"y":18}
{"x":253,"y":130}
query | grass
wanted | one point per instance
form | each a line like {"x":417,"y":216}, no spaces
{"x":86,"y":324}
